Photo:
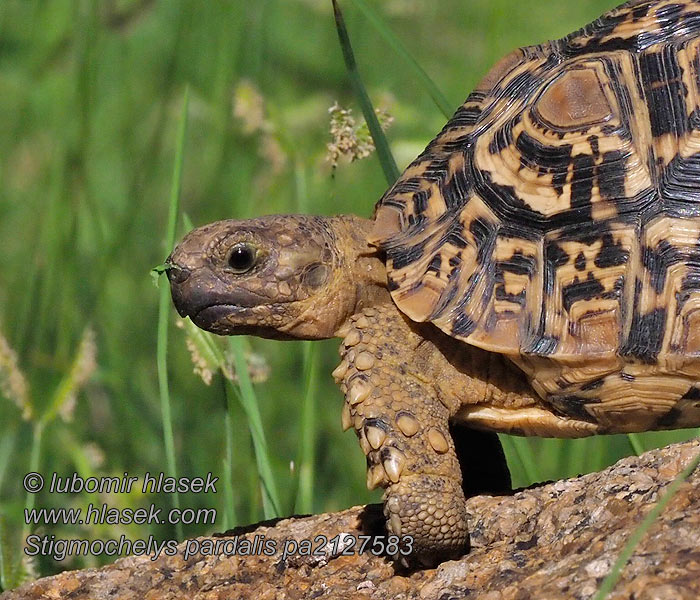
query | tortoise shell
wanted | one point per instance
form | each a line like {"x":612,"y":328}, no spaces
{"x":556,"y":217}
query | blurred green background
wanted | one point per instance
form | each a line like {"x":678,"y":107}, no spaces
{"x":90,"y":97}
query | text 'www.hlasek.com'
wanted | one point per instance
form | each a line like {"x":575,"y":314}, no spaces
{"x":60,"y":548}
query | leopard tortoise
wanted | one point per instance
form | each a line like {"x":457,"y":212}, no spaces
{"x":535,"y":271}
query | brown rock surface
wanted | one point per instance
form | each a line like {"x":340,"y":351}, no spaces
{"x":553,"y":541}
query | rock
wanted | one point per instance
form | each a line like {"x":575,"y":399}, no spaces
{"x":547,"y":542}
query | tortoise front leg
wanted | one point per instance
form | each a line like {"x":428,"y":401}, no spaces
{"x":403,"y":430}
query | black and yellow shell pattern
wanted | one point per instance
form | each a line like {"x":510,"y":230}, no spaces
{"x":556,"y":217}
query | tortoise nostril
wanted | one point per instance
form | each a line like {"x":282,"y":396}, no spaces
{"x":178,"y":274}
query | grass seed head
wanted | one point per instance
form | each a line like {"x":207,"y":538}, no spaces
{"x":13,"y":383}
{"x":84,"y":366}
{"x":351,"y":140}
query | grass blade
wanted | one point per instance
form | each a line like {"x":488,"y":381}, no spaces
{"x":249,"y":402}
{"x":636,"y":443}
{"x":7,"y":444}
{"x":520,"y":447}
{"x":164,"y":307}
{"x":391,"y":171}
{"x":397,"y":45}
{"x":214,"y":356}
{"x":307,"y":434}
{"x":35,"y":452}
{"x":10,"y":563}
{"x":230,"y":516}
{"x":616,"y":571}
{"x":6,"y":566}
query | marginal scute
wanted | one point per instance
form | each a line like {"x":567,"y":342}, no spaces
{"x":500,"y":70}
{"x":419,"y":303}
{"x":387,"y":223}
{"x":689,"y":338}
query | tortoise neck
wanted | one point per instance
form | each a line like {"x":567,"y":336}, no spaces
{"x":363,"y":264}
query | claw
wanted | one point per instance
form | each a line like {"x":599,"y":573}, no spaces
{"x":364,"y":361}
{"x":395,"y":523}
{"x":375,"y":436}
{"x":353,"y":338}
{"x":394,"y":464}
{"x":340,"y":371}
{"x":346,"y":417}
{"x":359,"y":392}
{"x":375,"y":476}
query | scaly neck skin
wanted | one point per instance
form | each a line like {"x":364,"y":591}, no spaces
{"x":362,"y":267}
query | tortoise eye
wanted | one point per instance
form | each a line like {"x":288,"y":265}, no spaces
{"x":242,"y":258}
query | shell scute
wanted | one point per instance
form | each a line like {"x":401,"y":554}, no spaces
{"x":555,"y":215}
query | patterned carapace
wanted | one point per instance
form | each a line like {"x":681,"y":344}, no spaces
{"x":556,"y":217}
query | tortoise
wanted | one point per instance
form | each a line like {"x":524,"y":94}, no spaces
{"x":535,"y":271}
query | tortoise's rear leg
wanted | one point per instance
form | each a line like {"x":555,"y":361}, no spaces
{"x":403,"y":430}
{"x":482,"y":461}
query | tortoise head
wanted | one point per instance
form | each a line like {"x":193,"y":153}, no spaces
{"x":279,"y":276}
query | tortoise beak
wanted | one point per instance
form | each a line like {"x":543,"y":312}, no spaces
{"x":204,"y":297}
{"x":177,"y":274}
{"x":193,"y":286}
{"x":188,"y":296}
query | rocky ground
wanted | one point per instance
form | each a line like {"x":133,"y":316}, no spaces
{"x":552,"y":541}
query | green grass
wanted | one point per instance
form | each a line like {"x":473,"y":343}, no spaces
{"x":386,"y":158}
{"x":164,"y":307}
{"x":373,"y":17}
{"x":91,"y":98}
